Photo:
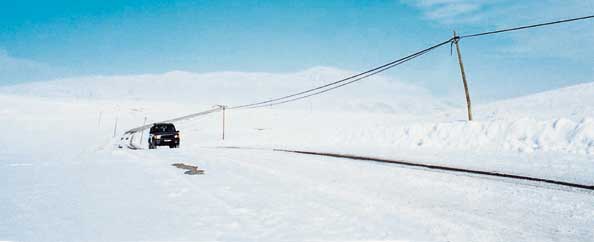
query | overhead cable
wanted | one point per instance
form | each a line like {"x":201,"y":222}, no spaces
{"x":526,"y":27}
{"x":342,"y":82}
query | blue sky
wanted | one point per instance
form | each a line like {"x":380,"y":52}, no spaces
{"x":42,"y":40}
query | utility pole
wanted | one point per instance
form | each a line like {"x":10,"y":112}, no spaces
{"x":99,"y":119}
{"x":223,"y":107}
{"x":142,"y":131}
{"x":224,"y":122}
{"x":115,"y":127}
{"x":468,"y":104}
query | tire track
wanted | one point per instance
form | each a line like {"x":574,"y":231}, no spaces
{"x":444,"y":168}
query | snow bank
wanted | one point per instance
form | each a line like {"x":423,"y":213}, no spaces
{"x":275,"y":127}
{"x":523,"y":135}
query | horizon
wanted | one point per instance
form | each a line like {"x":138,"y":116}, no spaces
{"x":69,"y":40}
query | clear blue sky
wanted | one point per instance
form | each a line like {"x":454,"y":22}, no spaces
{"x":42,"y":40}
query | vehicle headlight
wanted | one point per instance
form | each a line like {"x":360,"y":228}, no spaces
{"x":157,"y":136}
{"x":177,"y":136}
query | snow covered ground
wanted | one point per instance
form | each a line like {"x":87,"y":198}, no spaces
{"x":64,"y":179}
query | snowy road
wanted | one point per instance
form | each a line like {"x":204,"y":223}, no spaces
{"x":253,"y":195}
{"x":83,"y":188}
{"x":282,"y":197}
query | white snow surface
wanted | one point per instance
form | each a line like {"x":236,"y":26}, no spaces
{"x":64,"y":179}
{"x":377,"y":93}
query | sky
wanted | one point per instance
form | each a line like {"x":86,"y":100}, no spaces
{"x":44,"y":40}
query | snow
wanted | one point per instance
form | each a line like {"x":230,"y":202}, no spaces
{"x":64,"y":179}
{"x":230,"y":88}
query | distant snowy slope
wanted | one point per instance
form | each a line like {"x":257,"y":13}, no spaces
{"x":232,"y":88}
{"x":573,"y":102}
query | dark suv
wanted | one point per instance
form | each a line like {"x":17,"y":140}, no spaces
{"x":163,"y":134}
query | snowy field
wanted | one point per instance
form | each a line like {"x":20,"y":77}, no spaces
{"x":64,"y":179}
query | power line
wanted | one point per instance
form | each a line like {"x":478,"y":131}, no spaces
{"x":353,"y":78}
{"x":359,"y":76}
{"x":526,"y":27}
{"x":401,"y":61}
{"x":376,"y":70}
{"x":189,"y":116}
{"x":281,"y":100}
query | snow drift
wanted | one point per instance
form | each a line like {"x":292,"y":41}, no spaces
{"x":554,"y":121}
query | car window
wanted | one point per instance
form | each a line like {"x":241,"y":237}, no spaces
{"x":163,"y":128}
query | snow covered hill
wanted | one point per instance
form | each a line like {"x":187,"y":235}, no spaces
{"x":573,"y":102}
{"x":64,"y":179}
{"x":233,"y":88}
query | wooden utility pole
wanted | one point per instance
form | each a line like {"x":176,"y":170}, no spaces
{"x":468,"y":104}
{"x":142,"y":131}
{"x":115,"y":127}
{"x":223,"y":107}
{"x":99,"y":119}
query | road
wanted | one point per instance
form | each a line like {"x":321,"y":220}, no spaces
{"x":261,"y":195}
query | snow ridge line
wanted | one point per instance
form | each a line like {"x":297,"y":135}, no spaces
{"x":443,"y":168}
